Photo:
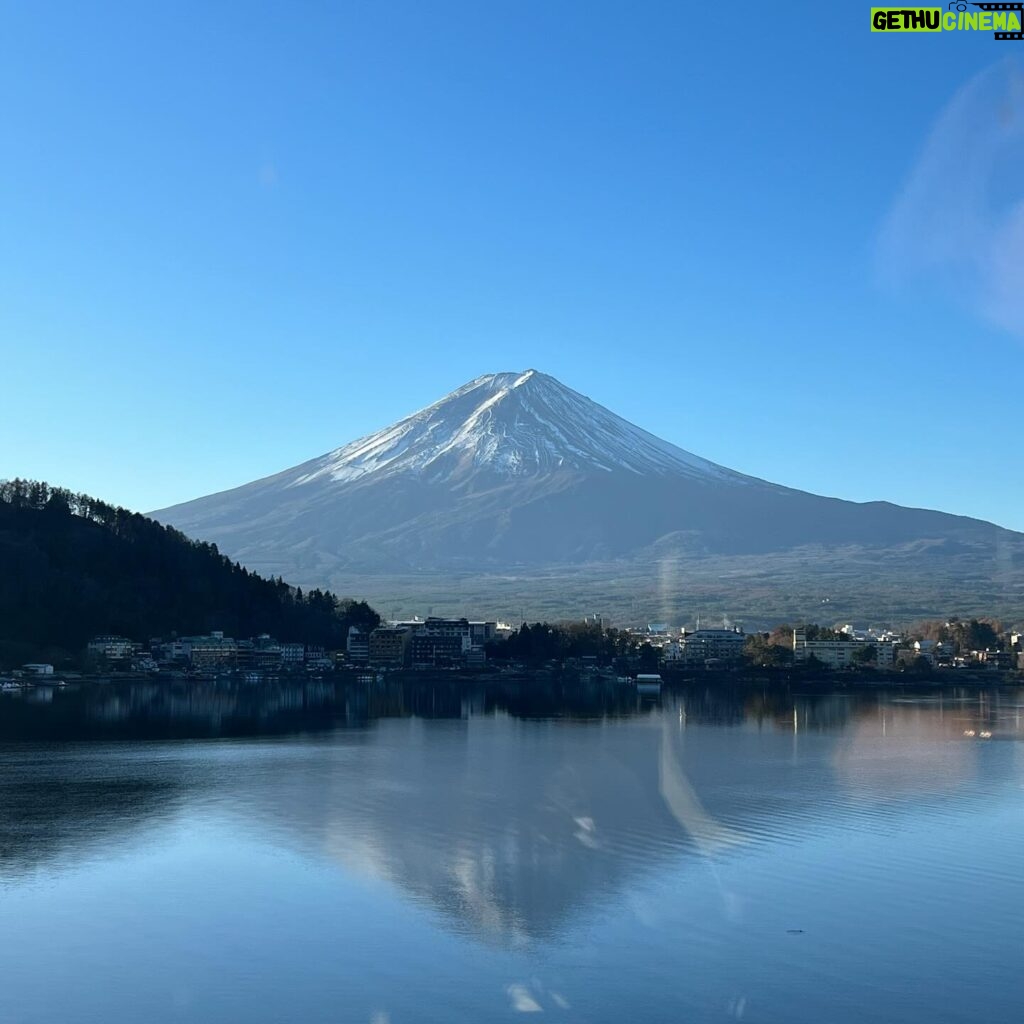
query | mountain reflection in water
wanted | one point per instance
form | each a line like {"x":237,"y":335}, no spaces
{"x":518,"y":818}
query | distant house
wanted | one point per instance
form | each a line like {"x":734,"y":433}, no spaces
{"x":37,"y":669}
{"x":934,"y":652}
{"x":995,"y":659}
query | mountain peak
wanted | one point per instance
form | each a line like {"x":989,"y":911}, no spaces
{"x":512,"y":424}
{"x":506,"y":380}
{"x":515,"y":472}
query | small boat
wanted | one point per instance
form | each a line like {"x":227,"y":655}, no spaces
{"x":648,"y":682}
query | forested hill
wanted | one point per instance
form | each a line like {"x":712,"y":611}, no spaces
{"x":73,"y":567}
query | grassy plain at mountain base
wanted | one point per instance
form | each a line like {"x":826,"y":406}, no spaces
{"x":806,"y":585}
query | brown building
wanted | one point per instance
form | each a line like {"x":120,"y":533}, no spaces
{"x":389,"y":645}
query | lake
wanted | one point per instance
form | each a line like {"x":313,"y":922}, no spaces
{"x":389,"y":854}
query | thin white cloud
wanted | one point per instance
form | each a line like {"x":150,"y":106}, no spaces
{"x":958,"y":224}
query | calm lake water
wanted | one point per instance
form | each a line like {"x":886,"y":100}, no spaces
{"x":387,"y":855}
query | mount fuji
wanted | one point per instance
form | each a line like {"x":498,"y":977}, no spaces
{"x":515,"y":481}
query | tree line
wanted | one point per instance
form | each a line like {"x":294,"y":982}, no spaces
{"x":544,"y":641}
{"x":73,"y":567}
{"x":775,"y":649}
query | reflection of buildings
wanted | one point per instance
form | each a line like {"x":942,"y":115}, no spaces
{"x":928,"y":746}
{"x":827,"y":713}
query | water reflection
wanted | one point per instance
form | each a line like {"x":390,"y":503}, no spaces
{"x":320,"y":852}
{"x":74,"y":805}
{"x":510,"y":812}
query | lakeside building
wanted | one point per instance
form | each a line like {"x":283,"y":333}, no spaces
{"x":266,"y":654}
{"x":706,"y":648}
{"x":433,"y":642}
{"x":437,"y":650}
{"x":839,"y":653}
{"x":357,"y":646}
{"x":111,"y":648}
{"x":452,"y":628}
{"x":389,"y":646}
{"x":932,"y":651}
{"x":215,"y":651}
{"x":212,"y":651}
{"x":481,"y":632}
{"x":997,"y":660}
{"x":293,"y":654}
{"x":317,"y":657}
{"x":451,"y":642}
{"x":448,"y":643}
{"x":656,"y":634}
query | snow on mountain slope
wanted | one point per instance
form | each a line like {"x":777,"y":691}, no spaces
{"x":514,"y":472}
{"x":512,"y":425}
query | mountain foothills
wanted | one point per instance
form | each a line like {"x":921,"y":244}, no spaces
{"x":516,"y":490}
{"x":72,"y":568}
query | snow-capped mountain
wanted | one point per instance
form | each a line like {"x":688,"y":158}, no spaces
{"x":517,"y":473}
{"x":513,"y":425}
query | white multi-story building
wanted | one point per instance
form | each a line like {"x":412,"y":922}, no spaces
{"x":705,"y":648}
{"x":112,"y":648}
{"x":839,"y":653}
{"x":357,"y":646}
{"x":293,"y":654}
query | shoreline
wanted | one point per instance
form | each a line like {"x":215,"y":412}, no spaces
{"x":671,"y":678}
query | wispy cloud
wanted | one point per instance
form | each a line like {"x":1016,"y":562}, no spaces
{"x":958,"y":224}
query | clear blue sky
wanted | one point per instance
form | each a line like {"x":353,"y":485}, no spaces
{"x":233,"y":237}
